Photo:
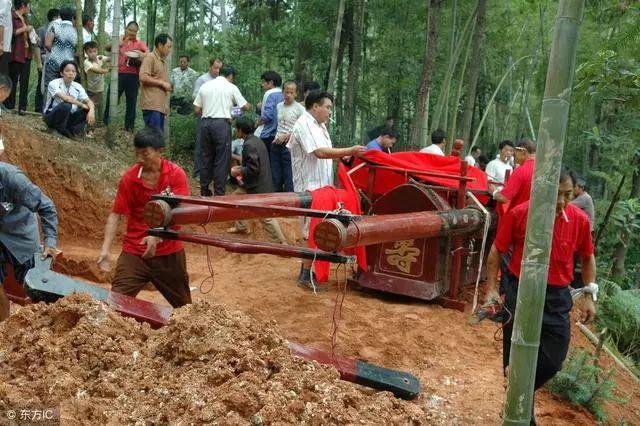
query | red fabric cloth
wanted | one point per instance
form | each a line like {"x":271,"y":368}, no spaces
{"x":128,"y":45}
{"x":568,"y":238}
{"x":518,"y":187}
{"x":386,"y":180}
{"x":133,"y":194}
{"x":327,"y":198}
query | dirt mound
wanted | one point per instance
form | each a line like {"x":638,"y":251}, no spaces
{"x":79,"y":176}
{"x":208,"y":365}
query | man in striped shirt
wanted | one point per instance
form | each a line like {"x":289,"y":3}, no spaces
{"x":312,"y":154}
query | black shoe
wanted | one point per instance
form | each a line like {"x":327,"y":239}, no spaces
{"x":21,"y":112}
{"x":206,"y":192}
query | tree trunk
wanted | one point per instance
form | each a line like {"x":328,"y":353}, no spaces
{"x":224,"y":19}
{"x":170,"y":60}
{"x":474,"y":71}
{"x":420,"y":121}
{"x":79,"y":47}
{"x":354,"y":68}
{"x":101,"y":20}
{"x":336,"y":47}
{"x":113,"y":87}
{"x":90,"y":8}
{"x":541,"y":218}
{"x":151,"y":18}
{"x":620,"y":256}
{"x":456,"y":99}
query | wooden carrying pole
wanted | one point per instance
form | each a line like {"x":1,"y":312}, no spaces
{"x":525,"y":340}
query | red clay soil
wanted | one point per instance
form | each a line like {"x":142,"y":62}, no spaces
{"x":458,"y":365}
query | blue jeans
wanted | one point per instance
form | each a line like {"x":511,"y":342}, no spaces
{"x":280,"y":158}
{"x":153,"y":119}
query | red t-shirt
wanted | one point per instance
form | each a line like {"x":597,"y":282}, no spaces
{"x":518,"y":187}
{"x":569,"y":237}
{"x":133,"y":194}
{"x":128,"y":45}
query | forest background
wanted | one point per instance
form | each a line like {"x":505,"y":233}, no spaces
{"x":474,"y":68}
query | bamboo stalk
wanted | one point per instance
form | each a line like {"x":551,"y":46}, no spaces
{"x":493,"y":97}
{"x":456,"y":103}
{"x":113,"y":87}
{"x":525,"y":340}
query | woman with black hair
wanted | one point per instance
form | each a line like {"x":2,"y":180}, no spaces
{"x":68,"y":108}
{"x":61,"y":40}
{"x":22,"y":50}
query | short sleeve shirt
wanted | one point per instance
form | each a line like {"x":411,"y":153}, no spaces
{"x":309,"y":171}
{"x":152,"y":97}
{"x":123,"y":59}
{"x":433,"y":149}
{"x":58,"y":86}
{"x":497,"y":170}
{"x":95,"y":81}
{"x":133,"y":194}
{"x":518,"y":187}
{"x":217,"y":97}
{"x":570,"y":236}
{"x":287,"y":117}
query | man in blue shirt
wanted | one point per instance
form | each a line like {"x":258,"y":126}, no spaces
{"x":271,"y":82}
{"x":388,"y":137}
{"x":19,"y":239}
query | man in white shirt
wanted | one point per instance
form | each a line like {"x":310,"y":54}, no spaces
{"x":214,"y":71}
{"x":312,"y":154}
{"x":473,"y":156}
{"x":289,"y":111}
{"x":214,"y":102}
{"x":497,"y":168}
{"x":6,"y":34}
{"x":438,"y":142}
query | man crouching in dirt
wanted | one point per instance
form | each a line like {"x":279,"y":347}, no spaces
{"x":144,"y":258}
{"x":571,"y":234}
{"x":19,"y":239}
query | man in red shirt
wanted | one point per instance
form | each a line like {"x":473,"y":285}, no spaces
{"x":517,"y":190}
{"x":145,"y":258}
{"x":571,"y":234}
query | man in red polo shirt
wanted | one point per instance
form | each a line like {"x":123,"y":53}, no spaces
{"x":144,"y":258}
{"x":571,"y":234}
{"x":517,"y":190}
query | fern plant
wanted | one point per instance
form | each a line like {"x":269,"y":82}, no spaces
{"x":583,"y":383}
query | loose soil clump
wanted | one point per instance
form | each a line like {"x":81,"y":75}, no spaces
{"x":209,"y":365}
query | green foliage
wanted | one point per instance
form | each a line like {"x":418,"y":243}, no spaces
{"x":583,"y":383}
{"x":619,"y":312}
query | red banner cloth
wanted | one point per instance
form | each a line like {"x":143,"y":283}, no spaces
{"x":412,"y":163}
{"x":327,"y":198}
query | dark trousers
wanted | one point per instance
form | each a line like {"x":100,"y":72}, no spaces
{"x":19,"y":73}
{"x":66,"y":122}
{"x":4,"y":63}
{"x":129,"y":84}
{"x":39,"y":101}
{"x":19,"y":269}
{"x":167,"y":273}
{"x":555,"y":334}
{"x":280,"y":158}
{"x":215,"y":142}
{"x":197,"y":152}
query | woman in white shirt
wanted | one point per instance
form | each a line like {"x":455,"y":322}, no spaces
{"x":68,"y":108}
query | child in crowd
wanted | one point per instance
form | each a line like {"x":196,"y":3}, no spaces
{"x":95,"y":66}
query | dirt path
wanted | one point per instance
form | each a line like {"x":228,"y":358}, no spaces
{"x":458,"y":365}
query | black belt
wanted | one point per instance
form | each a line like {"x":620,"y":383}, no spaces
{"x":211,"y":118}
